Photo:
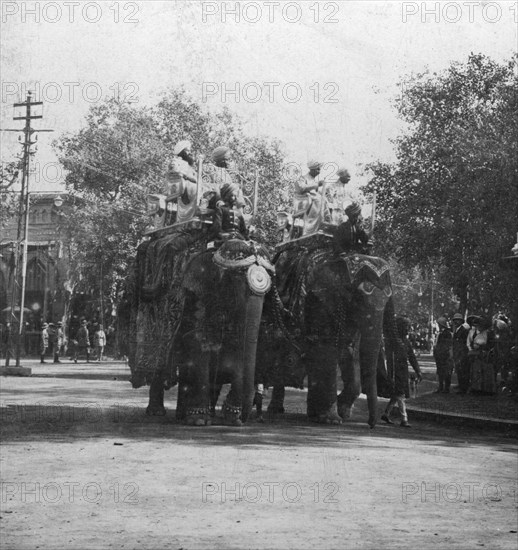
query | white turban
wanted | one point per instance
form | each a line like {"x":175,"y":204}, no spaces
{"x":180,"y":146}
{"x":314,"y":164}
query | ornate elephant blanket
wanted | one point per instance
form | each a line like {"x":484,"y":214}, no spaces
{"x":157,"y":298}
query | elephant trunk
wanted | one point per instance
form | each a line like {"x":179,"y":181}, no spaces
{"x":251,"y":323}
{"x":369,"y":352}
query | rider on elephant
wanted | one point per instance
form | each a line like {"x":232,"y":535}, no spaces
{"x":350,"y":235}
{"x":217,"y":174}
{"x":228,"y":221}
{"x":183,"y":163}
{"x":181,"y":184}
{"x":336,"y":196}
{"x":307,"y":199}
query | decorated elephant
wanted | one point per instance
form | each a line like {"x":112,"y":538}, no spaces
{"x":195,"y":318}
{"x":337,"y":307}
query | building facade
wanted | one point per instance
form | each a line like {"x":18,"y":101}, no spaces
{"x":46,"y":295}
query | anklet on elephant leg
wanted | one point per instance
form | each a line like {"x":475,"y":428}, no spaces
{"x":201,"y":411}
{"x":231,"y":409}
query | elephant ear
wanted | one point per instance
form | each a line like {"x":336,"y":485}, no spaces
{"x":162,"y":267}
{"x":200,"y":274}
{"x":330,"y":280}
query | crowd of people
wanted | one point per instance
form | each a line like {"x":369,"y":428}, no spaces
{"x":53,"y":342}
{"x":478,"y":350}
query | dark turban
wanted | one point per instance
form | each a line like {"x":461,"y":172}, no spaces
{"x":353,"y":209}
{"x":227,"y":190}
{"x":220,"y":153}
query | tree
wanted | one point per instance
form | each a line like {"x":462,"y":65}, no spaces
{"x":111,"y":164}
{"x":121,"y":155}
{"x":9,"y":199}
{"x":450,"y":200}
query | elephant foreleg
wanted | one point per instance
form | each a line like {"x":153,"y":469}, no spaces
{"x":195,"y":388}
{"x":276,"y":405}
{"x":369,"y":360}
{"x":322,"y":388}
{"x":156,"y":397}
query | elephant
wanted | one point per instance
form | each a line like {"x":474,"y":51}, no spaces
{"x":337,"y":308}
{"x":195,"y":318}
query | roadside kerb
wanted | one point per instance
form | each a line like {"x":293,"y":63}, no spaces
{"x":506,"y":425}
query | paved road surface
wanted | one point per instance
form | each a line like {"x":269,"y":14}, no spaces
{"x":83,"y":467}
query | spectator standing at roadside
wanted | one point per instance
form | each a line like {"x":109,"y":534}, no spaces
{"x":83,"y":341}
{"x":53,"y":340}
{"x":460,"y":352}
{"x":503,"y":344}
{"x":443,"y":355}
{"x":60,"y":341}
{"x":99,"y":342}
{"x":482,"y":350}
{"x":44,"y":342}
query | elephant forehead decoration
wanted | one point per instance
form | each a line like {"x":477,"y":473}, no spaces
{"x":237,"y":255}
{"x":367,"y":269}
{"x":258,"y":279}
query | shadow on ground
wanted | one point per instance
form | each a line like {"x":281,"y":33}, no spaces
{"x":127,"y":421}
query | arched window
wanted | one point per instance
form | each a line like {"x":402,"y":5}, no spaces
{"x":35,"y":275}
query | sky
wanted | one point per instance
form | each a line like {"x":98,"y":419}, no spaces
{"x":319,"y":76}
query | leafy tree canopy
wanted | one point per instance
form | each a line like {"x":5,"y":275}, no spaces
{"x":450,"y":200}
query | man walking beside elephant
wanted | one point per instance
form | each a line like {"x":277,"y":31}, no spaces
{"x":398,"y":355}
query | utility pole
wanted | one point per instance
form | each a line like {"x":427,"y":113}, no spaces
{"x":18,"y":291}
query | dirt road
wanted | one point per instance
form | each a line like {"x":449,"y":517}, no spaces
{"x":83,"y":467}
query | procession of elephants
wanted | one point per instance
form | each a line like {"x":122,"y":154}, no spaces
{"x":202,"y":313}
